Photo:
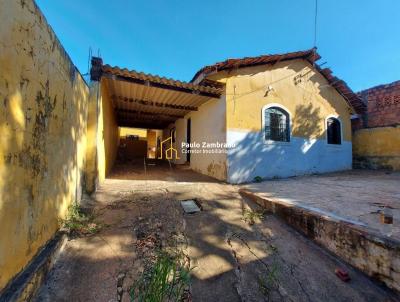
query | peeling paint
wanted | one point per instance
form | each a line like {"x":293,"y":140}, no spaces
{"x":377,"y":148}
{"x":43,"y":134}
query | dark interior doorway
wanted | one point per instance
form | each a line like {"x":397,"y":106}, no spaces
{"x":188,"y":130}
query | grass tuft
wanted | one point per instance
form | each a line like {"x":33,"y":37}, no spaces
{"x":251,"y":216}
{"x":270,"y":282}
{"x":79,"y":223}
{"x":168,"y":279}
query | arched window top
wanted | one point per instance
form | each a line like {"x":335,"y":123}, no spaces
{"x":276,"y":124}
{"x":333,"y":131}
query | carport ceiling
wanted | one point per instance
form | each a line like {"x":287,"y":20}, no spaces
{"x":147,"y":101}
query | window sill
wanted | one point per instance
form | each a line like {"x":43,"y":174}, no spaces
{"x":278,"y":143}
{"x":335,"y":146}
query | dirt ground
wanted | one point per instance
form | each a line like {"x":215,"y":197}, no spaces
{"x":357,"y":196}
{"x":231,"y":260}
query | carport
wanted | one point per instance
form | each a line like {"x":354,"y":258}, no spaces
{"x":127,"y":98}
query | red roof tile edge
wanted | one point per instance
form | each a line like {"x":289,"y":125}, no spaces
{"x":310,"y":55}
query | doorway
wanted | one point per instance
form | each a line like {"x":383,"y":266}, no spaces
{"x":151,"y":144}
{"x":188,"y":138}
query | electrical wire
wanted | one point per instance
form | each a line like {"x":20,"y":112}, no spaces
{"x":315,"y":24}
{"x":263,"y":87}
{"x":292,"y":75}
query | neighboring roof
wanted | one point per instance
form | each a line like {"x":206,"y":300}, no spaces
{"x":310,"y":55}
{"x":148,"y":101}
{"x":390,"y":86}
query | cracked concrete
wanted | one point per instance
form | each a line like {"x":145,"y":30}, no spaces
{"x":231,"y":260}
{"x":356,"y":196}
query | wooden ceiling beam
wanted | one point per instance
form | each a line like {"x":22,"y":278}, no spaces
{"x":147,"y":113}
{"x":154,"y":103}
{"x":145,"y":119}
{"x":138,"y":119}
{"x":142,"y":125}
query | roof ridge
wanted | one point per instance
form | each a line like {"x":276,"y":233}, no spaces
{"x":254,"y":60}
{"x":310,"y":55}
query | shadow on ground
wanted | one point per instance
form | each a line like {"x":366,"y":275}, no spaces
{"x":231,"y":260}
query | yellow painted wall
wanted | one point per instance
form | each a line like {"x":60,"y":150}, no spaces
{"x":208,"y":124}
{"x":309,"y":102}
{"x":43,"y":113}
{"x":142,"y":133}
{"x":107,"y":134}
{"x":180,"y":128}
{"x":378,"y":147}
{"x":91,"y":150}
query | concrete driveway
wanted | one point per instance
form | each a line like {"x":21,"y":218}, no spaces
{"x":357,"y":196}
{"x":231,"y":259}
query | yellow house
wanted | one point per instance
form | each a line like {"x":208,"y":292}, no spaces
{"x":279,"y":115}
{"x":270,"y":116}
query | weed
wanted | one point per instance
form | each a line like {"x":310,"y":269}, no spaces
{"x":251,"y":216}
{"x":167,"y":279}
{"x":258,"y":179}
{"x":273,"y":248}
{"x":270,"y":282}
{"x":79,"y":223}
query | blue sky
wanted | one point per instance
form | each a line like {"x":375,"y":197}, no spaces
{"x":359,"y":39}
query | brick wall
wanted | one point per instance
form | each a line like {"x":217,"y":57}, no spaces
{"x":376,"y":135}
{"x":383,"y":103}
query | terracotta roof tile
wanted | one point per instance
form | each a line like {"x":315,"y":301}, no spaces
{"x":107,"y":69}
{"x":310,"y":55}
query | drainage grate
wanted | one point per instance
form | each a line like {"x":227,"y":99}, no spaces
{"x":190,"y":206}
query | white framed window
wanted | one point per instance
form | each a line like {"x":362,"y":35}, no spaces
{"x":276,"y":123}
{"x":333,"y":131}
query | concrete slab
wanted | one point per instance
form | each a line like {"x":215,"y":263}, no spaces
{"x":190,"y":206}
{"x":357,"y":242}
{"x":354,"y":196}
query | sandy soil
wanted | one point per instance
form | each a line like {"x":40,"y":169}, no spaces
{"x":231,"y":259}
